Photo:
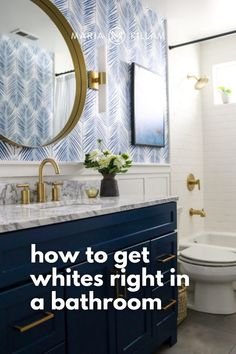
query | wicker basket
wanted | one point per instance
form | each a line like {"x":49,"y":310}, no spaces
{"x":182,"y":304}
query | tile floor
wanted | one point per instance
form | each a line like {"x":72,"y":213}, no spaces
{"x":205,"y":334}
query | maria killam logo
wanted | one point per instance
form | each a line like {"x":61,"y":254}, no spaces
{"x":117,"y":35}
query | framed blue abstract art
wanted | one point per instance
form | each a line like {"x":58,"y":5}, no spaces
{"x":149,"y":99}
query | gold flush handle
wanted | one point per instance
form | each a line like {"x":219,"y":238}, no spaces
{"x":25,"y":193}
{"x":56,"y":195}
{"x":192,"y":182}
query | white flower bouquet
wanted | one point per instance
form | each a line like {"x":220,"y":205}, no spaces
{"x":107,"y":163}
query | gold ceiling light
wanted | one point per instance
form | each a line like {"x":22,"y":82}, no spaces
{"x":201,"y":81}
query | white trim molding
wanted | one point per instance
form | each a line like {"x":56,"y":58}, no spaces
{"x":30,"y":169}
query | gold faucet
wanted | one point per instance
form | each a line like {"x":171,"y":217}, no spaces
{"x":201,"y":213}
{"x":41,"y":184}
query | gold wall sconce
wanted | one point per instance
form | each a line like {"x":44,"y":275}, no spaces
{"x":201,"y":81}
{"x":192,"y":182}
{"x":95,"y":79}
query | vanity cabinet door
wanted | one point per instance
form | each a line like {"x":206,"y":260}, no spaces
{"x":25,"y":331}
{"x":112,"y":331}
{"x":133,"y":328}
{"x":163,"y":258}
{"x":92,"y":331}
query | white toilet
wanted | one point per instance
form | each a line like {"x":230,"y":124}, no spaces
{"x":212,"y":272}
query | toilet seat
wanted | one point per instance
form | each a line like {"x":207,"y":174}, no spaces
{"x":205,"y":264}
{"x":207,"y":256}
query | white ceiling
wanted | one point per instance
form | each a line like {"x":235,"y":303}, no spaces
{"x":192,"y":19}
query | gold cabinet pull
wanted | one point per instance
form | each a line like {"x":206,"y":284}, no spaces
{"x":172,"y":303}
{"x":48,"y":316}
{"x":118,"y":292}
{"x":117,"y":289}
{"x":168,"y":258}
{"x":125,"y":293}
{"x":116,"y":272}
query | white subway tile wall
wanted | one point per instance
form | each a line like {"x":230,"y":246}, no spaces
{"x":219,"y":123}
{"x":186,"y":135}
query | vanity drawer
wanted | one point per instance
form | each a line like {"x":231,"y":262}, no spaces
{"x":168,"y":296}
{"x":165,"y":332}
{"x":164,"y":253}
{"x":23,"y":330}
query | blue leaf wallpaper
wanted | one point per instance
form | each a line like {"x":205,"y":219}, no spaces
{"x":27,"y":81}
{"x":130,"y":33}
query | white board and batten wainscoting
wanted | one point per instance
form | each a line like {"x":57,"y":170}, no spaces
{"x":148,"y":180}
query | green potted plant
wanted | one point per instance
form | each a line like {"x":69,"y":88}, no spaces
{"x":225,"y":93}
{"x":108,"y":165}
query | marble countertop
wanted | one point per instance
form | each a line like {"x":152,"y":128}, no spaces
{"x":19,"y":217}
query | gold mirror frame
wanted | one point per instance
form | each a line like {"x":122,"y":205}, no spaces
{"x":79,"y":66}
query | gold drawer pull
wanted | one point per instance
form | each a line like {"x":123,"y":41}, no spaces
{"x":167,"y":259}
{"x":172,"y":303}
{"x":22,"y":329}
{"x":118,"y":292}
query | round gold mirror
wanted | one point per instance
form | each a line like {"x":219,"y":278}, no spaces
{"x":43,"y":79}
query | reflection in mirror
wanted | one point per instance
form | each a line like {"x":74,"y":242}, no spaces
{"x":37,"y":93}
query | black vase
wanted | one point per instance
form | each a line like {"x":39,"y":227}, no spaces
{"x":109,"y":186}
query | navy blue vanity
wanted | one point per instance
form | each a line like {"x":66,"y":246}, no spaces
{"x":24,"y":331}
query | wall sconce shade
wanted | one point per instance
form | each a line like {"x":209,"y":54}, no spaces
{"x":201,"y":81}
{"x":97,"y":79}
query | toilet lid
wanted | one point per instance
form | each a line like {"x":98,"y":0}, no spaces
{"x":208,"y":254}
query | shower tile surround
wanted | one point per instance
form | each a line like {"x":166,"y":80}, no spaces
{"x":147,"y":46}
